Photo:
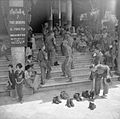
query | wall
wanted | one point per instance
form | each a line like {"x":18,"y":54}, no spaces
{"x":3,"y":30}
{"x":40,"y":14}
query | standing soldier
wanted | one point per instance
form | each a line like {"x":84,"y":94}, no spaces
{"x":70,"y":43}
{"x":66,"y":65}
{"x":50,"y":44}
{"x":44,"y":65}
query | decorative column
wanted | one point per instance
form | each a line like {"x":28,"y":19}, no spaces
{"x":17,"y":28}
{"x":69,"y":12}
{"x":51,"y":16}
{"x":118,"y":60}
{"x":59,"y":12}
{"x":118,"y":30}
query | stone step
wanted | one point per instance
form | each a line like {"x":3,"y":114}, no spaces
{"x":78,"y":56}
{"x":54,"y":74}
{"x":4,"y":66}
{"x":53,"y":85}
{"x":58,"y":68}
{"x":49,"y":83}
{"x":76,"y":65}
{"x":57,"y":84}
{"x":79,"y":59}
{"x":54,"y":68}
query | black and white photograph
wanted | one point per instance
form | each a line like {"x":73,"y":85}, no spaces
{"x":59,"y":59}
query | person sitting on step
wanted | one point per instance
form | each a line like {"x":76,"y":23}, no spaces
{"x":31,"y":78}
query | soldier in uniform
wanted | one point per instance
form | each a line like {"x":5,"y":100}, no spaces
{"x":44,"y":65}
{"x":66,"y":65}
{"x":101,"y":73}
{"x":70,"y":43}
{"x":50,"y":44}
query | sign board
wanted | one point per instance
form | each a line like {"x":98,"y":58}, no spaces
{"x":17,"y":26}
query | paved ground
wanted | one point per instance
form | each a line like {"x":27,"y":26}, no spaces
{"x":39,"y":106}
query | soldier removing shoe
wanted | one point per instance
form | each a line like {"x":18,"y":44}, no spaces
{"x":66,"y":65}
{"x":102,"y":73}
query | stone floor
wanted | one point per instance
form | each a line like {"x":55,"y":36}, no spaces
{"x":39,"y":106}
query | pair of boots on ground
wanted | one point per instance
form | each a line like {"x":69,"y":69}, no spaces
{"x":69,"y":102}
{"x":88,"y":94}
{"x":77,"y":97}
{"x":65,"y":96}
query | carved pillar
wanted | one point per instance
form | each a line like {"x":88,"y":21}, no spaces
{"x":69,"y":12}
{"x":51,"y":16}
{"x":118,"y":17}
{"x":59,"y":12}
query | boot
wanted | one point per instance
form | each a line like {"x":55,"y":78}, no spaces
{"x":85,"y":94}
{"x":64,"y":95}
{"x":56,"y":63}
{"x":58,"y":99}
{"x":80,"y":98}
{"x":91,"y":94}
{"x":76,"y":97}
{"x":92,"y":106}
{"x":55,"y":100}
{"x":42,"y":82}
{"x":68,"y":103}
{"x":71,"y":103}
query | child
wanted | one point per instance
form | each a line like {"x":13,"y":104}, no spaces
{"x":31,"y":78}
{"x":11,"y":80}
{"x":11,"y":77}
{"x":19,"y":78}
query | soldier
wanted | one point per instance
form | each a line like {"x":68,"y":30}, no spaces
{"x":102,"y":72}
{"x":66,"y":65}
{"x":70,"y":43}
{"x":44,"y":65}
{"x":50,"y":44}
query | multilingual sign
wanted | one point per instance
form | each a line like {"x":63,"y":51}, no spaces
{"x":17,"y":26}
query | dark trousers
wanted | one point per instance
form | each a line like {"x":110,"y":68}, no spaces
{"x":19,"y":91}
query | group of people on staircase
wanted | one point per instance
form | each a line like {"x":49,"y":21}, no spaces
{"x":47,"y":57}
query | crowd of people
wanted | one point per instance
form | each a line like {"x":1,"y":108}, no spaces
{"x":103,"y":46}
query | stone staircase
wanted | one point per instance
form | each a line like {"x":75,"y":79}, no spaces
{"x":80,"y":73}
